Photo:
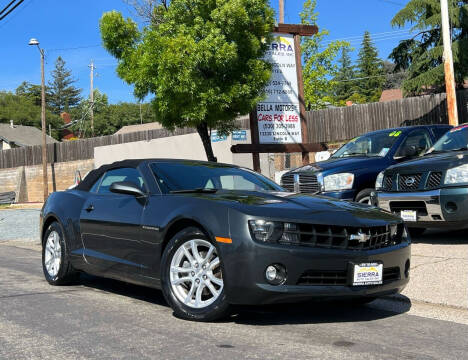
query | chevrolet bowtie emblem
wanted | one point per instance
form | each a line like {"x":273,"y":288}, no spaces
{"x":360,"y":237}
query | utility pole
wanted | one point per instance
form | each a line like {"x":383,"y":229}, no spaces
{"x":281,"y":11}
{"x":45,"y":181}
{"x":91,"y":95}
{"x":448,"y":65}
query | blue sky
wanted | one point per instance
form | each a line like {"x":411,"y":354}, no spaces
{"x":72,"y":25}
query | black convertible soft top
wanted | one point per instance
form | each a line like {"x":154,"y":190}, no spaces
{"x":87,"y":183}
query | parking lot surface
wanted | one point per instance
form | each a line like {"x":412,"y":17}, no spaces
{"x":99,"y":318}
{"x":104,"y":319}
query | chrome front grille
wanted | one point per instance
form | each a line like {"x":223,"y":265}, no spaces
{"x":409,"y":182}
{"x":306,"y":183}
{"x":388,"y":183}
{"x":287,"y":181}
{"x":434,"y":180}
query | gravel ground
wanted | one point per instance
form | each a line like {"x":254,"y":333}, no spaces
{"x":19,"y":225}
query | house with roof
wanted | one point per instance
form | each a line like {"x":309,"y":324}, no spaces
{"x":12,"y":136}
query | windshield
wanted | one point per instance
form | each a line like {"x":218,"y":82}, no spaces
{"x":455,"y":139}
{"x":374,"y":144}
{"x":191,"y":175}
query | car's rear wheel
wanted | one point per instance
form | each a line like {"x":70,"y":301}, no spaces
{"x":192,"y":277}
{"x":55,"y":262}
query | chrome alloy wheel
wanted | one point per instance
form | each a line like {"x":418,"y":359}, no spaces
{"x":365,"y":200}
{"x":53,"y":254}
{"x":195,"y":274}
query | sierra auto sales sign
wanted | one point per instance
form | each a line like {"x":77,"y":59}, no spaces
{"x":279,"y":120}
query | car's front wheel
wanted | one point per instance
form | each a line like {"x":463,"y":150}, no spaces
{"x":192,"y":277}
{"x":55,"y":262}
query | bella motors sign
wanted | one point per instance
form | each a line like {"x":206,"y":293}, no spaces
{"x":279,"y":120}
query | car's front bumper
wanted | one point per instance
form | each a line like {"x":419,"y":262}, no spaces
{"x":447,"y":207}
{"x":349,"y":195}
{"x":244,"y":271}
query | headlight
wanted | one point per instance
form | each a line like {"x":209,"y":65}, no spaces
{"x":338,"y":182}
{"x":457,"y":175}
{"x":379,"y":181}
{"x":274,"y":231}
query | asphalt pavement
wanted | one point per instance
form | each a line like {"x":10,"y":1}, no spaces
{"x":104,"y":319}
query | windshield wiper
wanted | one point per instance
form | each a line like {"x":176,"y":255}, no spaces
{"x":198,"y":190}
{"x":355,"y":154}
{"x":464,"y":148}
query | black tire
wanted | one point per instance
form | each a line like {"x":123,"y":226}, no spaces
{"x":364,"y":196}
{"x":66,"y":274}
{"x":415,"y":232}
{"x":219,"y":309}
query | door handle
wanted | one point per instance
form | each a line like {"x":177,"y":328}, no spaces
{"x":90,"y":208}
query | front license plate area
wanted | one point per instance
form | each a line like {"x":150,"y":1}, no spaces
{"x":367,"y":274}
{"x":409,"y":215}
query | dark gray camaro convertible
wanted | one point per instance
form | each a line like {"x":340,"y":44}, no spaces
{"x":214,"y":235}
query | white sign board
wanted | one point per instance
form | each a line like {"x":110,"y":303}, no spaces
{"x":279,"y":120}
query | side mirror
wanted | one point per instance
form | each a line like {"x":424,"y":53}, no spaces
{"x":128,"y":188}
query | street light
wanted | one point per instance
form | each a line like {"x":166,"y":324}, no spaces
{"x":45,"y":183}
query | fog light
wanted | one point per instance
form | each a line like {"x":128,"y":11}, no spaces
{"x":275,"y":274}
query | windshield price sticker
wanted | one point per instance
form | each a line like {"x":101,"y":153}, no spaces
{"x":368,"y":274}
{"x":395,"y":133}
{"x":279,"y":120}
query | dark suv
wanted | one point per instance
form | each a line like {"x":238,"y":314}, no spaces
{"x":431,"y":191}
{"x":351,"y":172}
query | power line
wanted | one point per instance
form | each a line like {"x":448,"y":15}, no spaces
{"x":392,"y":2}
{"x":74,"y":48}
{"x":10,"y":11}
{"x":16,"y":13}
{"x":370,"y":77}
{"x":13,"y":8}
{"x":6,"y":7}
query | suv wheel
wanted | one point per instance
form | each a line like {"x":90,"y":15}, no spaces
{"x":364,"y":196}
{"x":192,"y":277}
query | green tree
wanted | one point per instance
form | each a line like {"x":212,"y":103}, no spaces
{"x":320,"y":68}
{"x":370,"y":71}
{"x":344,"y":77}
{"x":394,"y":79}
{"x":201,"y":59}
{"x":422,"y":55}
{"x":63,"y":95}
{"x":24,"y":111}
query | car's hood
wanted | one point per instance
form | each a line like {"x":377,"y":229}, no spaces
{"x":301,"y":208}
{"x":342,"y":164}
{"x":436,"y":162}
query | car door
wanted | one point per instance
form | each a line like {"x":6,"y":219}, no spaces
{"x":419,"y":140}
{"x":111,"y":224}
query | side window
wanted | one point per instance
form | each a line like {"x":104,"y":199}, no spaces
{"x":439,"y":131}
{"x":117,"y":175}
{"x":96,"y":185}
{"x":415,"y":144}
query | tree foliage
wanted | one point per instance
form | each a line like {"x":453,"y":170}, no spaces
{"x":370,"y":71}
{"x":345,"y":74}
{"x":202,"y":60}
{"x":422,"y":55}
{"x":62,"y":94}
{"x":320,"y":68}
{"x":23,"y":110}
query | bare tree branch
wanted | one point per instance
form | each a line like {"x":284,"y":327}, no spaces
{"x":149,"y":10}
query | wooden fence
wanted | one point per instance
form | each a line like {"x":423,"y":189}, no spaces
{"x":335,"y":124}
{"x":79,"y":149}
